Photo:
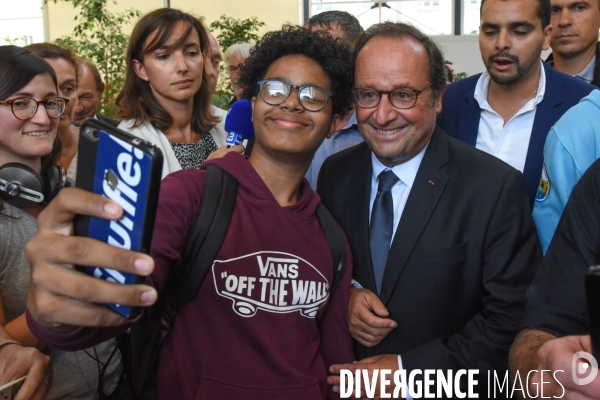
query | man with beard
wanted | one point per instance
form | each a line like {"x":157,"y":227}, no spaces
{"x":508,"y":110}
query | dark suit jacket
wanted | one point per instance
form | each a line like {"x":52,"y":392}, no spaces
{"x":460,"y":116}
{"x":596,"y":79}
{"x":461,"y":260}
{"x":110,"y":121}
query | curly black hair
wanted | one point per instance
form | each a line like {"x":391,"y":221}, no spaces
{"x":336,"y":61}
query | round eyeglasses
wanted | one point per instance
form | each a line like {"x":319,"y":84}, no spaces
{"x":312,"y":98}
{"x":25,"y":107}
{"x":402,"y":98}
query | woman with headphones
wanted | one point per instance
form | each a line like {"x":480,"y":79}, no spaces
{"x":30,"y":108}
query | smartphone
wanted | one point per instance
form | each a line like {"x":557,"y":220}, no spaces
{"x":592,"y":290}
{"x":128,"y":170}
{"x":9,"y":391}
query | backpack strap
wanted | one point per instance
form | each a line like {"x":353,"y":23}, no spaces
{"x":337,"y":245}
{"x":204,"y":242}
{"x":205,"y":238}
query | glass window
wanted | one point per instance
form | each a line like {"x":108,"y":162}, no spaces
{"x":21,"y":22}
{"x":433,"y":17}
{"x":471,"y":17}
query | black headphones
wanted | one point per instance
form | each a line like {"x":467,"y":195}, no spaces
{"x":21,"y":186}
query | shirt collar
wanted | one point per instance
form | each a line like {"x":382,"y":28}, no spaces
{"x":406,"y":172}
{"x":588,"y":72}
{"x":481,"y":90}
{"x":351,"y":123}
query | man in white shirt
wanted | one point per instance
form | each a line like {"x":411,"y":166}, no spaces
{"x":443,"y":244}
{"x":508,"y":110}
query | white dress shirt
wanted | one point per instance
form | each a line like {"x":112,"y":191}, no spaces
{"x":507,"y":142}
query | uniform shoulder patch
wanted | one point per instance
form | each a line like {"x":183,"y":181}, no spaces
{"x":544,"y":187}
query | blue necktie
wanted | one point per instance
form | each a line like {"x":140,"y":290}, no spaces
{"x":382,"y":225}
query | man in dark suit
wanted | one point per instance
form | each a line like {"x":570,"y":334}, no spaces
{"x":462,"y":248}
{"x":89,"y":94}
{"x":508,"y":110}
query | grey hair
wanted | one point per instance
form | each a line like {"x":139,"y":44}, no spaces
{"x":242,"y":49}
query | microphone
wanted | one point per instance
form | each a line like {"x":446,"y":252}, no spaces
{"x":238,"y":122}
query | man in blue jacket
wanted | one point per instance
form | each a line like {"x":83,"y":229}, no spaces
{"x":508,"y":110}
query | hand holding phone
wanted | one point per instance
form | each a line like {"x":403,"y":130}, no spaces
{"x":126,"y":170}
{"x":61,"y":298}
{"x":9,"y":390}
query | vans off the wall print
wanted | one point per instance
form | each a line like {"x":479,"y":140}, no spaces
{"x":271,"y":281}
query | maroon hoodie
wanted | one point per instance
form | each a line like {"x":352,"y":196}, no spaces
{"x":262,"y":326}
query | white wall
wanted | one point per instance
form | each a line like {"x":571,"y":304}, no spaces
{"x":273,"y":12}
{"x":21,"y":20}
{"x":463,"y":51}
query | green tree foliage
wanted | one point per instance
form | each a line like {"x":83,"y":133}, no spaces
{"x":232,"y":31}
{"x":461,"y":75}
{"x":99,"y":38}
{"x":16,"y":41}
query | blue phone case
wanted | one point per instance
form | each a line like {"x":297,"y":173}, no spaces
{"x":127,"y":171}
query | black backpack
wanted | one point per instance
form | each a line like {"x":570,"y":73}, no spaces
{"x":141,"y":345}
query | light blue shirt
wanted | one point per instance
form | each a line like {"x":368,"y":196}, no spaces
{"x":588,"y":72}
{"x":346,"y":137}
{"x":572,"y":145}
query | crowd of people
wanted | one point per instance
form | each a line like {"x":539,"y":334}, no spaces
{"x":470,"y":209}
